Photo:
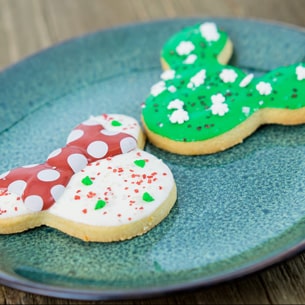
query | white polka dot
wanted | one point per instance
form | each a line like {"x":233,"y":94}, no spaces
{"x":97,"y":149}
{"x":128,"y":144}
{"x":34,"y":203}
{"x":17,"y":187}
{"x":77,"y":162}
{"x":108,"y":132}
{"x":57,"y":191}
{"x":54,"y":153}
{"x":90,"y":122}
{"x":4,"y":174}
{"x":75,"y":135}
{"x":29,"y":165}
{"x":48,"y":175}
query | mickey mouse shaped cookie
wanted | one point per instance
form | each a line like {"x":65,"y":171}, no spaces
{"x":202,"y":106}
{"x":100,"y":187}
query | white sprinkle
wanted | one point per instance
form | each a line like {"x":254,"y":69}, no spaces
{"x":185,"y":48}
{"x":228,"y":75}
{"x":209,"y":31}
{"x":300,"y":71}
{"x":246,"y":81}
{"x":264,"y":88}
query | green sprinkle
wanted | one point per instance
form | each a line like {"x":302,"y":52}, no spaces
{"x":140,"y":163}
{"x":87,"y":181}
{"x":116,"y":123}
{"x":147,"y":197}
{"x":100,"y":204}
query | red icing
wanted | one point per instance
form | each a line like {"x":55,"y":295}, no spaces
{"x":60,"y":165}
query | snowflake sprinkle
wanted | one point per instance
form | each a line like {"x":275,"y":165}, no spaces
{"x":219,"y":107}
{"x":300,"y":71}
{"x":185,"y":48}
{"x":168,"y":74}
{"x":228,"y":75}
{"x":209,"y":31}
{"x":179,"y":116}
{"x":264,"y":88}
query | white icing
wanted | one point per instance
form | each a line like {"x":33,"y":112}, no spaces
{"x":33,"y":203}
{"x":128,"y":125}
{"x":17,"y":187}
{"x":75,"y":135}
{"x":121,"y":184}
{"x":77,"y":162}
{"x":48,"y":175}
{"x":97,"y":149}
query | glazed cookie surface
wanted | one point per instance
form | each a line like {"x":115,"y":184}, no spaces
{"x":201,"y":105}
{"x":100,"y":187}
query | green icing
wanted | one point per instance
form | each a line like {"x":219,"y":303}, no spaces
{"x":140,"y":163}
{"x":116,"y":123}
{"x":214,"y":107}
{"x":147,"y":197}
{"x":205,"y":50}
{"x":100,"y":204}
{"x":87,"y":181}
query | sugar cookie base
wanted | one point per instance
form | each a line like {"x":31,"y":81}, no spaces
{"x":232,"y":137}
{"x":114,"y":233}
{"x":90,"y":232}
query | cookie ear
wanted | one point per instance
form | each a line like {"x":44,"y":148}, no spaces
{"x":196,"y":45}
{"x":34,"y":188}
{"x":40,"y":185}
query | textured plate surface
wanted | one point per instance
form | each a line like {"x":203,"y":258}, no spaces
{"x":237,"y":211}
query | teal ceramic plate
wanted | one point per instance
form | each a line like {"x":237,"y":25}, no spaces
{"x":237,"y":211}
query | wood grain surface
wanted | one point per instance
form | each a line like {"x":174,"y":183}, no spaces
{"x":27,"y":26}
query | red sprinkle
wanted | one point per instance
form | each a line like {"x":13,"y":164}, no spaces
{"x":91,"y":194}
{"x":76,"y":197}
{"x":84,"y":211}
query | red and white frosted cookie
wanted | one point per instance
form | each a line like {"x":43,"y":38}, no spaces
{"x":100,"y":187}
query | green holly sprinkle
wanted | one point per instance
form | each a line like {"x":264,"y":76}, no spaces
{"x":116,"y":123}
{"x":100,"y":204}
{"x":140,"y":163}
{"x":147,"y":197}
{"x":87,"y":181}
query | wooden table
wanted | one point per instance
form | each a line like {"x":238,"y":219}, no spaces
{"x":27,"y":26}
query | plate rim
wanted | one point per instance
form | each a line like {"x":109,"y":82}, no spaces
{"x":17,"y":282}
